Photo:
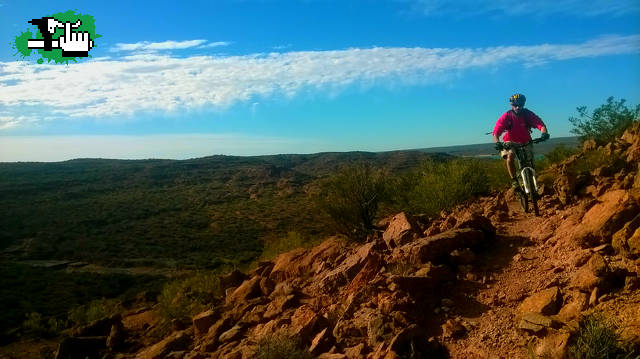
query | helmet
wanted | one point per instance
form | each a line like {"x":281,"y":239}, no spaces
{"x":517,"y":99}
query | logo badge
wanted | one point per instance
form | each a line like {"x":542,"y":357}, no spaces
{"x":59,"y":37}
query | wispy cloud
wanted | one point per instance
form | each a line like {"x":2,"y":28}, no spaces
{"x":140,"y":83}
{"x":578,"y":8}
{"x":146,"y":46}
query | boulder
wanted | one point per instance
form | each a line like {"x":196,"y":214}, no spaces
{"x":210,"y":342}
{"x":401,"y":230}
{"x":600,"y":222}
{"x":287,"y":265}
{"x":305,"y":323}
{"x":546,"y":302}
{"x":430,"y":248}
{"x":174,"y":342}
{"x":116,"y":337}
{"x":234,"y":333}
{"x":553,"y":346}
{"x":536,"y":322}
{"x":233,"y":279}
{"x":347,"y":270}
{"x":203,"y":321}
{"x":279,"y":304}
{"x":574,"y":307}
{"x":591,"y":275}
{"x":298,"y":261}
{"x":366,"y":274}
{"x":249,"y":289}
{"x":79,"y":347}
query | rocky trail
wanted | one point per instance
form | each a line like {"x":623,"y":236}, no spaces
{"x":484,"y":280}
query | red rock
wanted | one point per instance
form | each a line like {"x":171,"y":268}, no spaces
{"x":279,"y":305}
{"x":356,"y":352}
{"x":366,"y":274}
{"x":174,"y":342}
{"x":553,"y":346}
{"x":233,"y":279}
{"x":286,"y":265}
{"x":615,"y":208}
{"x":347,"y":270}
{"x":546,"y":302}
{"x":249,"y":289}
{"x":304,"y":323}
{"x":203,"y":321}
{"x":427,"y":249}
{"x":400,"y":231}
{"x":591,"y":275}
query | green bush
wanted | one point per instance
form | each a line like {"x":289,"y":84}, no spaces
{"x":442,"y":185}
{"x":351,"y":198}
{"x":272,"y":248}
{"x":182,"y":298}
{"x":557,"y":155}
{"x":596,"y":339}
{"x":280,"y":346}
{"x":597,"y":158}
{"x":605,"y":123}
{"x":95,"y":310}
{"x":35,"y":325}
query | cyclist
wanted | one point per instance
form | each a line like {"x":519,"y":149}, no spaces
{"x":516,"y":124}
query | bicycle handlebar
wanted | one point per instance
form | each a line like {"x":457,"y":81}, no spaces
{"x":508,"y":145}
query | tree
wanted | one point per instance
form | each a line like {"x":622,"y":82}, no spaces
{"x":607,"y":122}
{"x":351,"y":198}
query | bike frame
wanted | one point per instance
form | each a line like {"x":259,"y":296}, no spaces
{"x":522,"y":159}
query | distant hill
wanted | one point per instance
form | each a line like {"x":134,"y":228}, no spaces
{"x":487,"y":149}
{"x":202,"y":212}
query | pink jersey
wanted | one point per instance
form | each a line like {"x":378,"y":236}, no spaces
{"x":516,"y":126}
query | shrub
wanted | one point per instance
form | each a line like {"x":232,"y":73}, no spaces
{"x":272,"y":248}
{"x":443,"y":185}
{"x":35,"y":325}
{"x":351,"y":198}
{"x":95,"y":310}
{"x":596,"y":339}
{"x":280,"y":346}
{"x":606,"y":122}
{"x":182,"y":298}
{"x":557,"y":155}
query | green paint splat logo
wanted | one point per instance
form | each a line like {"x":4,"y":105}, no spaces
{"x":61,"y":37}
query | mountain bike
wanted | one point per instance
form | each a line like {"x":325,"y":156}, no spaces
{"x":527,"y":190}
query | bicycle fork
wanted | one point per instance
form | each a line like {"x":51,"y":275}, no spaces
{"x":529,"y":179}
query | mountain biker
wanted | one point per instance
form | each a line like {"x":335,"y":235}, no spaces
{"x":516,"y":124}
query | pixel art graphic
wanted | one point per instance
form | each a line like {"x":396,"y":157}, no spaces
{"x":60,"y":37}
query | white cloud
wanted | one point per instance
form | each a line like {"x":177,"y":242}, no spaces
{"x":167,"y":45}
{"x":580,"y":8}
{"x":215,"y":44}
{"x":147,"y":82}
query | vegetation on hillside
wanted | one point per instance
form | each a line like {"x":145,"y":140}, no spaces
{"x":606,"y":122}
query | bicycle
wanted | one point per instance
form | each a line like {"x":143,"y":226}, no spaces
{"x":527,"y":190}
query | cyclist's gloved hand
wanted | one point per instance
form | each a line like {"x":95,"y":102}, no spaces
{"x":545,"y":136}
{"x":499,"y":146}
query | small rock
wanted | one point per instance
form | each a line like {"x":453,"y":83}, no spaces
{"x":631,"y":283}
{"x":453,"y":328}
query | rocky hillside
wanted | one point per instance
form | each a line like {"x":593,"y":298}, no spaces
{"x":483,"y":281}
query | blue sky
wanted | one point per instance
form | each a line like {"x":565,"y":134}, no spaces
{"x":189,"y":79}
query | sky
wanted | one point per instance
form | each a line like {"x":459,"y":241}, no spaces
{"x":188,"y":79}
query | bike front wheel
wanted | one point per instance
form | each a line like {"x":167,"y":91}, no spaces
{"x":534,"y":202}
{"x":524,"y":201}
